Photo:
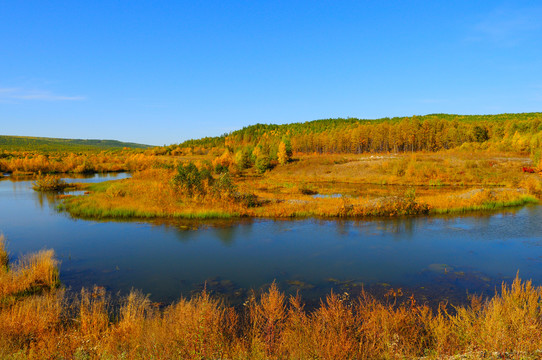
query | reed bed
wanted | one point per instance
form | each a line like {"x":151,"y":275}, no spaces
{"x":31,"y":273}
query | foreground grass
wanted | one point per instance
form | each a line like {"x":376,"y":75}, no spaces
{"x":55,"y":325}
{"x":329,"y":186}
{"x":31,"y":274}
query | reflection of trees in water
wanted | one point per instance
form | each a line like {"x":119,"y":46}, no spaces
{"x":83,"y":176}
{"x":228,"y":231}
{"x":531,"y":209}
{"x":281,"y":225}
{"x":483,"y":220}
{"x":226,"y":235}
{"x":183,"y":233}
{"x":224,"y":230}
{"x":39,"y":196}
{"x":342,"y":227}
{"x":46,"y":198}
{"x":404,"y":227}
{"x":478,"y":219}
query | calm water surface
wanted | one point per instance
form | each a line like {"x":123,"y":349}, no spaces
{"x":435,"y":258}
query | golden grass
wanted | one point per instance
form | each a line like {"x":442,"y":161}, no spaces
{"x":4,"y":256}
{"x":24,"y":317}
{"x":451,"y":167}
{"x":268,"y":326}
{"x":32,"y":273}
{"x":33,"y":318}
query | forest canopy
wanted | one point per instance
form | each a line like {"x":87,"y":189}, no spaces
{"x":434,"y":132}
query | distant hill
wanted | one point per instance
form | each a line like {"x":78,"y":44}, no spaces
{"x":505,"y":132}
{"x":28,"y":143}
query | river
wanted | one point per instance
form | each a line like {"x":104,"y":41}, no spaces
{"x":436,"y":258}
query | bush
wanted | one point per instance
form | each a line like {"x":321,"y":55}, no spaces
{"x":533,"y":185}
{"x":222,"y":162}
{"x":85,"y":168}
{"x":224,"y":187}
{"x":283,"y":154}
{"x":191,"y":181}
{"x":243,"y":159}
{"x":407,"y":204}
{"x":221,"y":169}
{"x":248,"y":200}
{"x":480,"y":134}
{"x":263,"y":163}
{"x":49,"y":183}
{"x":306,"y":191}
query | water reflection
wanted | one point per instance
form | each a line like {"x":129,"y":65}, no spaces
{"x":226,"y":235}
{"x":45,"y":198}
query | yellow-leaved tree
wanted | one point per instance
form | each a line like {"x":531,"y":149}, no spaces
{"x":284,"y":154}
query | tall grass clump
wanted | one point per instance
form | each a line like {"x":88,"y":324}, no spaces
{"x":31,"y":274}
{"x":4,"y":256}
{"x":31,"y":322}
{"x":198,"y":327}
{"x":509,"y":323}
{"x":30,"y":307}
{"x":267,"y":321}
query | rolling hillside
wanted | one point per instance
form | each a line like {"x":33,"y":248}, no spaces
{"x":504,"y":132}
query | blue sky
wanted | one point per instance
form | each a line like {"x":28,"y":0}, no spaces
{"x":162,"y":72}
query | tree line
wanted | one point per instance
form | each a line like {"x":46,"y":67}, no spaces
{"x":503,"y":132}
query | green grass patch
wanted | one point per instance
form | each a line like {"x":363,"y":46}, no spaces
{"x":77,"y":208}
{"x":488,"y":206}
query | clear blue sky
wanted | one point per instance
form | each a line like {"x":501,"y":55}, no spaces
{"x":159,"y":72}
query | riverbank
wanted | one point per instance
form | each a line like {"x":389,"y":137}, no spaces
{"x":39,"y":320}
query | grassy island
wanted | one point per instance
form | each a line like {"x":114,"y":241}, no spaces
{"x":319,"y":186}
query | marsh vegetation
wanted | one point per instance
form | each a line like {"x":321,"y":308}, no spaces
{"x":40,"y":320}
{"x":347,"y":186}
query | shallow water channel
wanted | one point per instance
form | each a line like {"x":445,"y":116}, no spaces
{"x":436,"y":258}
